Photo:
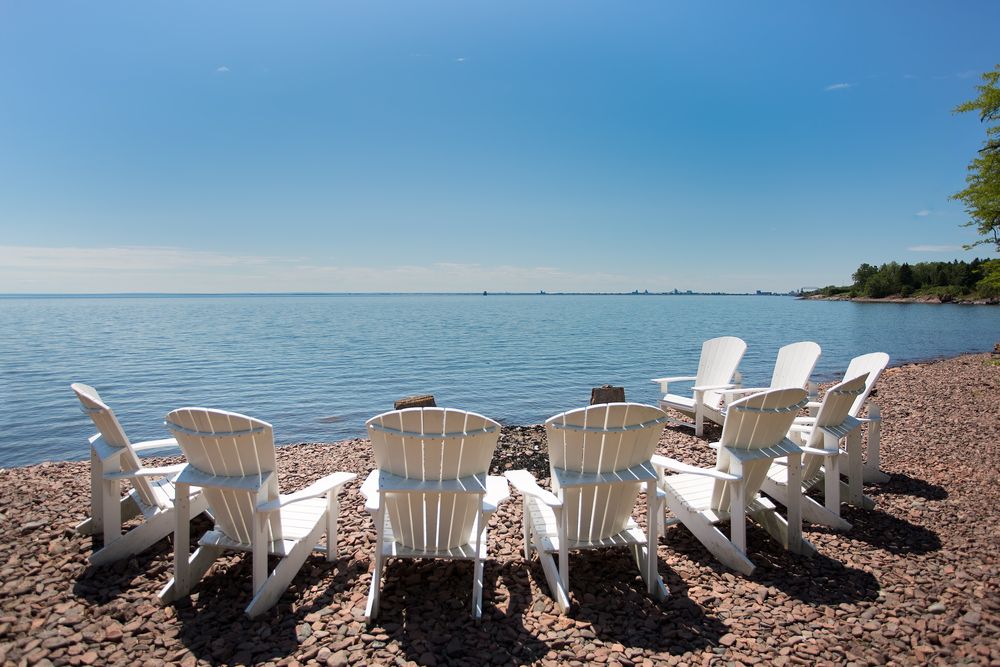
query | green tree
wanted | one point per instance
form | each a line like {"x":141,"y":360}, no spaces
{"x":861,"y":277}
{"x":989,"y":286}
{"x":982,"y":193}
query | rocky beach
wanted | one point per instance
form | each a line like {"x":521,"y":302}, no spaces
{"x":914,"y":582}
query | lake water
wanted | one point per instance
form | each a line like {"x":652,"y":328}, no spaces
{"x":297,"y":360}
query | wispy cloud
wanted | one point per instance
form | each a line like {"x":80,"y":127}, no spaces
{"x":934,"y":248}
{"x":460,"y":60}
{"x":222,"y":69}
{"x":909,"y":76}
{"x":838,"y":86}
{"x":173,"y":269}
{"x":923,"y":213}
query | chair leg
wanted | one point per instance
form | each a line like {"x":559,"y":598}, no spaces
{"x":375,"y":588}
{"x":332,"y":519}
{"x":140,"y":538}
{"x":872,"y":469}
{"x":111,"y":512}
{"x":779,"y":529}
{"x":195,"y":568}
{"x":275,"y":584}
{"x":477,"y":573}
{"x":812,"y":511}
{"x":552,"y":577}
{"x":831,"y":475}
{"x":713,"y":539}
{"x":794,"y":504}
{"x":526,"y":527}
{"x":855,"y":473}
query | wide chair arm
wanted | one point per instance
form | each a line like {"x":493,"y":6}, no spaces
{"x":162,"y":471}
{"x":155,"y":444}
{"x":729,"y":393}
{"x":828,"y":453}
{"x":663,"y":463}
{"x":330,"y":483}
{"x":524,"y":481}
{"x":497,"y":492}
{"x":713,"y":387}
{"x":665,"y":382}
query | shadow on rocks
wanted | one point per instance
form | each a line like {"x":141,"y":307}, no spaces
{"x":426,"y":607}
{"x":214,"y":627}
{"x":813,"y":579}
{"x":610,"y":602}
{"x":903,"y":485}
{"x":884,"y":531}
{"x":108,"y":583}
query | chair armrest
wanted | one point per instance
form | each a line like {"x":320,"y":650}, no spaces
{"x":318,"y":488}
{"x":744,"y":390}
{"x":164,"y":471}
{"x":822,"y":452}
{"x":802,"y":428}
{"x":497,"y":492}
{"x":813,"y":404}
{"x":525,"y":482}
{"x":154,"y":444}
{"x":664,"y":463}
{"x":713,"y":387}
{"x":677,"y":378}
{"x":665,"y":382}
{"x":369,"y":489}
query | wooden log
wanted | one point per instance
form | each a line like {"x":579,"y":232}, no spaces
{"x":607,"y":394}
{"x":418,"y":401}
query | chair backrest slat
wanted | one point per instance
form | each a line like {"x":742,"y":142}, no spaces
{"x":114,"y":435}
{"x":755,"y":422}
{"x":216,"y":442}
{"x":599,"y":439}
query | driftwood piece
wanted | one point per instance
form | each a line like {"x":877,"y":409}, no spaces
{"x":607,"y":394}
{"x":418,"y":401}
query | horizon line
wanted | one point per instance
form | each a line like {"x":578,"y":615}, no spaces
{"x":9,"y":295}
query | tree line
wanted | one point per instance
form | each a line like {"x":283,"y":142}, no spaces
{"x":948,"y":281}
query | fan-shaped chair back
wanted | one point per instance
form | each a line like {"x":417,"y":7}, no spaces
{"x":794,"y":365}
{"x":432,"y":444}
{"x":114,"y":436}
{"x":758,"y":421}
{"x":717,"y":365}
{"x":873,"y":364}
{"x":227,"y":444}
{"x":602,"y":438}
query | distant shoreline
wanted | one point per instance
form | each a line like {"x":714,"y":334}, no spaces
{"x":933,"y":300}
{"x":209,"y":295}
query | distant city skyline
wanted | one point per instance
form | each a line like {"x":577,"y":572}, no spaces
{"x":460,"y":147}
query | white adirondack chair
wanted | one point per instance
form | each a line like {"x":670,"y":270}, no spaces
{"x":792,"y":368}
{"x":600,"y":460}
{"x":431,"y":496}
{"x":752,"y":437}
{"x":873,"y":364}
{"x":821,"y":455}
{"x":231,"y":457}
{"x":716,"y":372}
{"x":114,"y":459}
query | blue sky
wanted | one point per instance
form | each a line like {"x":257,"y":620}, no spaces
{"x":374,"y":146}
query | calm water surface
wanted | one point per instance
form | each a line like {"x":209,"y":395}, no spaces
{"x":296,"y":360}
